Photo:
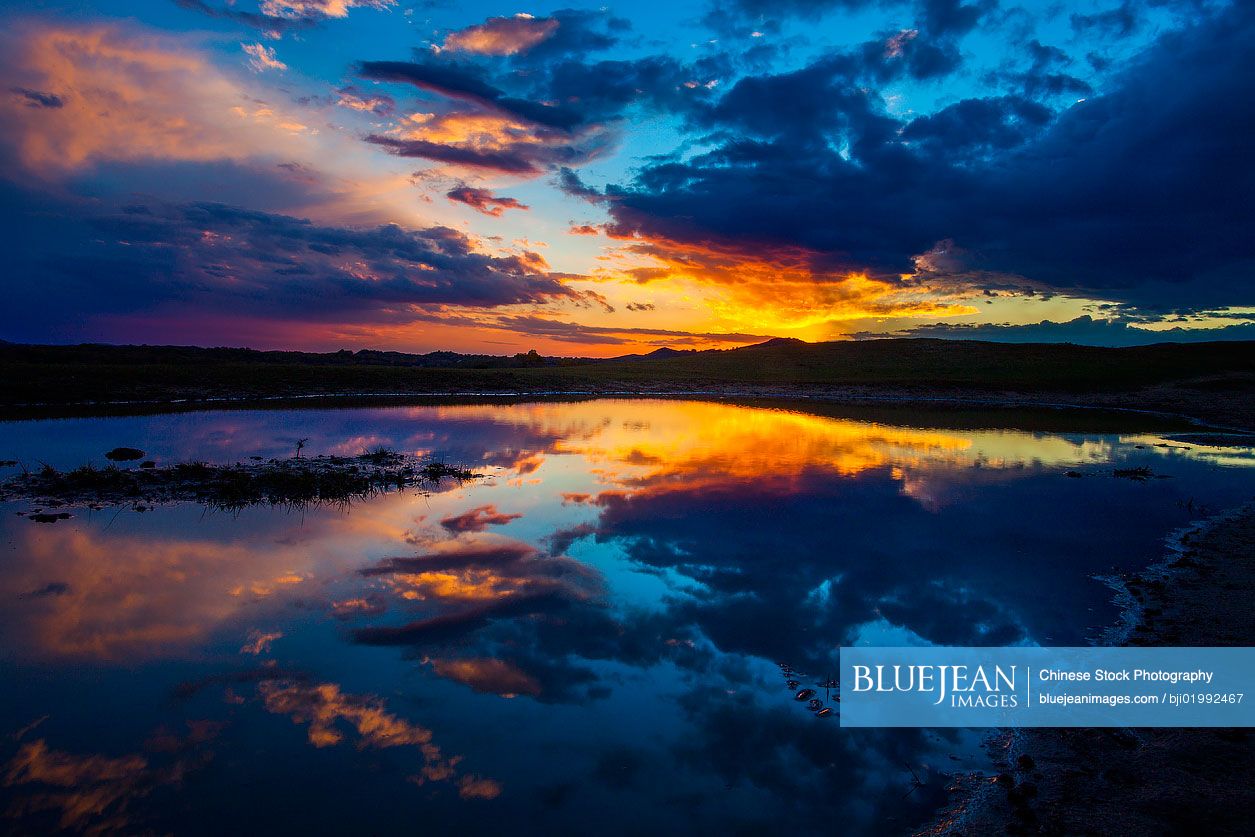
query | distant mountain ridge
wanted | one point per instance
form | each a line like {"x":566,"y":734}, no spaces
{"x":1221,"y":373}
{"x":90,"y":353}
{"x":441,"y":359}
{"x":828,"y":361}
{"x":657,"y":354}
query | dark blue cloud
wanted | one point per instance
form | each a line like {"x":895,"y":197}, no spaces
{"x":518,"y":158}
{"x":38,"y":98}
{"x":977,"y":127}
{"x":1045,"y":77}
{"x":466,"y":84}
{"x":1120,"y":22}
{"x":588,"y":91}
{"x":956,"y":589}
{"x":953,"y":17}
{"x":1140,"y":194}
{"x":207,"y":258}
{"x":256,"y":20}
{"x":601,"y":90}
{"x":579,"y":32}
{"x":810,"y":103}
{"x":568,"y":180}
{"x":574,"y":105}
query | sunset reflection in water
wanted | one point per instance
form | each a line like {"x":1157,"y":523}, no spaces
{"x":594,"y":623}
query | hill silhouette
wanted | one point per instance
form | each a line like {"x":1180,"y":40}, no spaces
{"x":1141,"y":376}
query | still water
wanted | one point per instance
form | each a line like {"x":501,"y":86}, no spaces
{"x":586,"y":640}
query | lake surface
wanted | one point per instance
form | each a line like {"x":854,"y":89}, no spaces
{"x":586,"y":640}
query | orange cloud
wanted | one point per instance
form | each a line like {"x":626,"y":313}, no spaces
{"x":262,"y":58}
{"x":315,"y":9}
{"x":324,"y":708}
{"x":475,"y":787}
{"x":92,"y":94}
{"x":259,"y":643}
{"x":477,"y":519}
{"x":529,"y":463}
{"x":489,"y":569}
{"x":92,"y":793}
{"x":321,"y":706}
{"x":496,"y":677}
{"x":365,"y":102}
{"x":482,"y":131}
{"x":360,"y":606}
{"x":501,"y":35}
{"x":481,"y":140}
{"x":111,"y":610}
{"x":483,"y":201}
{"x":135,"y":598}
{"x":766,"y":287}
{"x":132,"y":96}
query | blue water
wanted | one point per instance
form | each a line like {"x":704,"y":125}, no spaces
{"x":588,"y":638}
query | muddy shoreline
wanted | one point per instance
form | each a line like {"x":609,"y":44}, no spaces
{"x":1136,"y":781}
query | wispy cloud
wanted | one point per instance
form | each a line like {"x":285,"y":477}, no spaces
{"x":262,"y":58}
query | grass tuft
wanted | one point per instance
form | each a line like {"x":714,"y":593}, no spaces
{"x":297,"y":482}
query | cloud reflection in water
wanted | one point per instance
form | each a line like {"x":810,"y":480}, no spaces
{"x":616,"y":647}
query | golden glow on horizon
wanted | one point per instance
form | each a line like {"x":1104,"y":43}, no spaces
{"x":165,"y":99}
{"x":777,"y":291}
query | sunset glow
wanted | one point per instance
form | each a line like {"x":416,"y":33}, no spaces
{"x":601,"y":181}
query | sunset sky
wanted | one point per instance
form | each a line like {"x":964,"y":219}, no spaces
{"x":599,"y":180}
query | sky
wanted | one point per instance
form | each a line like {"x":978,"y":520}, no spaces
{"x":599,"y":180}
